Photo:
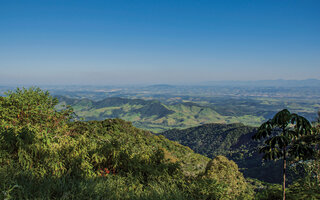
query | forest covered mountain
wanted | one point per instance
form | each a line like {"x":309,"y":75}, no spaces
{"x":233,"y":141}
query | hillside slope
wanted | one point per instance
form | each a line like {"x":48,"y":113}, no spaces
{"x":211,"y":139}
{"x":233,"y":141}
{"x":44,"y":154}
{"x":142,"y":143}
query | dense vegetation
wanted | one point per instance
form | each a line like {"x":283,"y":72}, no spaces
{"x":211,"y":139}
{"x":46,"y":155}
{"x":233,"y":141}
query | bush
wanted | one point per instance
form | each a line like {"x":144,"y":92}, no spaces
{"x":225,"y":173}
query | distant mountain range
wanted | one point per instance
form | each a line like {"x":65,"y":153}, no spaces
{"x":268,"y":83}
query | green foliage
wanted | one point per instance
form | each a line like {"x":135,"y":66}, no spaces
{"x":28,"y":126}
{"x":31,"y":107}
{"x":307,"y":186}
{"x":225,"y":172}
{"x":233,"y":141}
{"x":211,"y":139}
{"x":303,"y":190}
{"x":269,"y":192}
{"x":295,"y":191}
{"x":44,"y":155}
{"x":285,"y":133}
{"x":287,"y":138}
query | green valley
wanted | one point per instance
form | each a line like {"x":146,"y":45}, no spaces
{"x":152,"y":114}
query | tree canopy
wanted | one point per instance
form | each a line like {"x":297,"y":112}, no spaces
{"x":286,"y":137}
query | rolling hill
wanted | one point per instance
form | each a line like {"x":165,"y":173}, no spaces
{"x":153,"y":115}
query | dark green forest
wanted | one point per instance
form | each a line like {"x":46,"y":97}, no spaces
{"x":46,"y":153}
{"x":230,"y":140}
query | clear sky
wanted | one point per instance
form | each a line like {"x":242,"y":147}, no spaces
{"x":149,"y":41}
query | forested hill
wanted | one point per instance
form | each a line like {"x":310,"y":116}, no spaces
{"x":213,"y":139}
{"x":231,"y":140}
{"x":46,"y":155}
{"x":152,"y":115}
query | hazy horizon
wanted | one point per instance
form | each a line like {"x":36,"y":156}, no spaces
{"x":258,"y":83}
{"x":157,"y":42}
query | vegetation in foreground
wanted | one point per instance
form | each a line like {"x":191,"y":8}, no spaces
{"x":46,"y":155}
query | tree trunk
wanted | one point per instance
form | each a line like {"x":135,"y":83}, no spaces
{"x":284,"y":173}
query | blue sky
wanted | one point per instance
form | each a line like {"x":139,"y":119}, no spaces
{"x":134,"y":42}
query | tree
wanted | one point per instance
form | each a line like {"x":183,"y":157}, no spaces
{"x":285,"y":137}
{"x":32,"y":107}
{"x":226,"y":173}
{"x":316,"y":142}
{"x":29,"y":123}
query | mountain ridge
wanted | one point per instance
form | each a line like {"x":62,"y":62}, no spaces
{"x":231,"y":140}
